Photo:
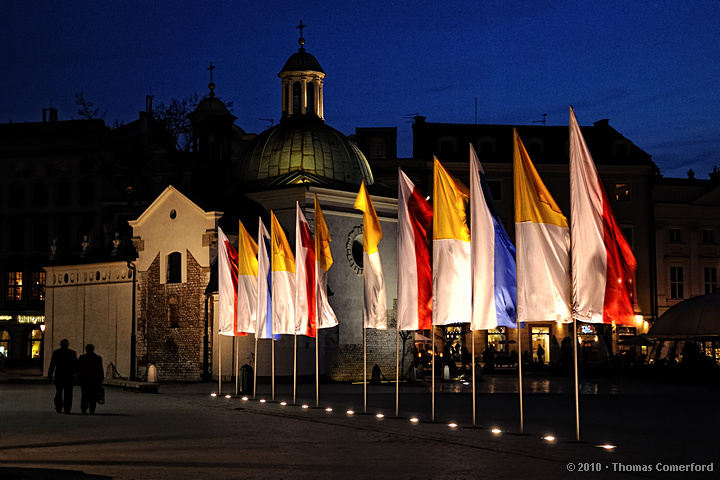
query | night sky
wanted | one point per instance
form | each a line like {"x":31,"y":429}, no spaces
{"x":652,"y":68}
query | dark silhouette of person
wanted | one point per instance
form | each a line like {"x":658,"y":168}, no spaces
{"x":62,"y":372}
{"x":90,"y":377}
{"x":541,"y":354}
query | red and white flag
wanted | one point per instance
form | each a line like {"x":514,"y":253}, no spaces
{"x":227,"y":286}
{"x":305,"y":316}
{"x":603,"y":265}
{"x":414,"y":302}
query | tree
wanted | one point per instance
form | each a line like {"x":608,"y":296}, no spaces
{"x":85,"y":108}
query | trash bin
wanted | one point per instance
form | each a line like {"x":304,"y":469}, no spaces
{"x":246,"y":379}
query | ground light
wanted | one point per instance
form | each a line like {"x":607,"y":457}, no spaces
{"x":549,"y":438}
{"x":213,"y":394}
{"x":607,"y":446}
{"x":262,"y":400}
{"x":452,"y":425}
{"x":245,"y":399}
{"x":328,"y":409}
{"x":228,"y":396}
{"x":466,"y":383}
{"x":496,"y":431}
{"x":283,"y":403}
{"x":380,"y":415}
{"x":305,"y":406}
{"x":350,"y":412}
{"x":414,"y":420}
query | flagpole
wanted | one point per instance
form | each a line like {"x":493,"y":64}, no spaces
{"x":294,"y":367}
{"x":520,"y":379}
{"x":272,"y":362}
{"x":317,"y":368}
{"x":255,"y":369}
{"x":364,"y":370}
{"x":472,"y":365}
{"x":397,"y":372}
{"x":237,"y":364}
{"x":577,"y":386}
{"x":432,"y":374}
{"x":220,"y":365}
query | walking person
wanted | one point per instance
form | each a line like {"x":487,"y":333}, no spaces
{"x":62,"y":372}
{"x":90,"y":377}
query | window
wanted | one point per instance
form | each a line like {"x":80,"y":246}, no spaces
{"x":708,"y":237}
{"x":34,"y":343}
{"x":710,"y":279}
{"x":16,"y":232}
{"x":16,"y":196}
{"x":628,"y":232}
{"x":5,"y":343}
{"x":174,"y":268}
{"x":39,"y":195}
{"x":674,"y":235}
{"x":310,"y":98}
{"x":377,"y":148}
{"x":173,"y":312}
{"x":622,"y":192}
{"x":14,"y":291}
{"x":496,"y":338}
{"x":40,"y":241}
{"x":37,"y":287}
{"x":296,"y":98}
{"x":495,"y":189}
{"x":677,"y":282}
{"x":86,"y":193}
{"x":63,"y":194}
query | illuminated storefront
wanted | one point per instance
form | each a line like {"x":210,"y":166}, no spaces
{"x":22,"y":339}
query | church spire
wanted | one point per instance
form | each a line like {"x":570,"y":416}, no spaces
{"x":211,"y":85}
{"x":301,"y":40}
{"x":302,"y":84}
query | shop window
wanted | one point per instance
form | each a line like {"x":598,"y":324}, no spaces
{"x":173,"y":312}
{"x":34,"y":344}
{"x":14,"y":290}
{"x":708,"y":237}
{"x":174,"y":268}
{"x":496,"y":338}
{"x":674,"y":235}
{"x":622,"y":192}
{"x":540,"y":344}
{"x":710,"y":279}
{"x":677,"y":283}
{"x":37,"y":291}
{"x":5,"y":343}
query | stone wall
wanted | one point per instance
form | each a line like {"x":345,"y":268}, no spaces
{"x":171,"y":322}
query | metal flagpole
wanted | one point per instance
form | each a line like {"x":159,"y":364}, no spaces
{"x":397,"y":372}
{"x":255,"y":369}
{"x":577,"y":386}
{"x":520,"y":382}
{"x":294,"y":367}
{"x":472,"y":365}
{"x":364,"y":370}
{"x":317,"y":368}
{"x":219,"y":365}
{"x":272,"y":361}
{"x":432,"y":374}
{"x":237,"y":364}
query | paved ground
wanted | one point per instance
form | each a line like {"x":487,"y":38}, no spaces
{"x":184,"y":432}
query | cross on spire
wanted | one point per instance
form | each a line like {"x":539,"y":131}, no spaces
{"x":211,"y":68}
{"x":301,"y":26}
{"x":211,"y":85}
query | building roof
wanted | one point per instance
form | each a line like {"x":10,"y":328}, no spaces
{"x":303,"y":145}
{"x":302,"y":61}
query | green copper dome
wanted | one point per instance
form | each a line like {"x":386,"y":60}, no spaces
{"x":303,"y":150}
{"x":302,"y":61}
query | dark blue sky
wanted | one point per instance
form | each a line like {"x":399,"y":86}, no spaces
{"x":652,"y":68}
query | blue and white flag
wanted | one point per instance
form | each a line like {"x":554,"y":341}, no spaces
{"x":494,"y":284}
{"x":263,"y":327}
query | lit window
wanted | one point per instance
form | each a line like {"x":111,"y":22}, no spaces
{"x":708,"y":237}
{"x":674,"y":235}
{"x":37,"y":290}
{"x":14,"y":291}
{"x":710,"y":277}
{"x":622,"y":192}
{"x":5,"y":343}
{"x":174,"y":268}
{"x":34,"y":343}
{"x":677,"y":282}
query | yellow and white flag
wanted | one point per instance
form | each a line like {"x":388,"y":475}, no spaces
{"x":282,"y":264}
{"x":374,"y":311}
{"x":247,"y":284}
{"x":542,"y":240}
{"x":452,"y":286}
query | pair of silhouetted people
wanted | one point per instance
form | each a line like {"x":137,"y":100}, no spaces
{"x":64,"y":365}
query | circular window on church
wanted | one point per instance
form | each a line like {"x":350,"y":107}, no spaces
{"x":354,"y":249}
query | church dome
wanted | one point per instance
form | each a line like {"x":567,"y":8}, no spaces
{"x":211,"y":108}
{"x":302,"y":61}
{"x":304,"y":150}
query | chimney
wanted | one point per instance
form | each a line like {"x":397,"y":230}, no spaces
{"x":148,"y":103}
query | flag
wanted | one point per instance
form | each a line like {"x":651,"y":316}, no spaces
{"x":603,"y":264}
{"x":305,"y":317}
{"x":542,"y":239}
{"x":263,"y":326}
{"x":414,"y":301}
{"x":323,"y":258}
{"x":374,"y":311}
{"x":452,"y":301}
{"x":494,"y":285}
{"x":247,"y":284}
{"x":227,"y":285}
{"x":282,"y":264}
